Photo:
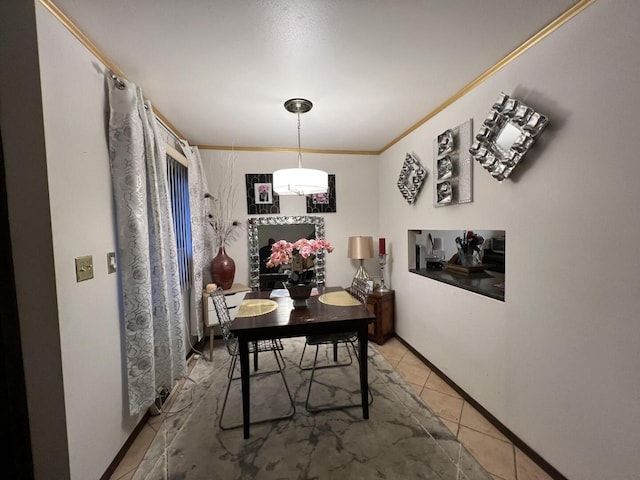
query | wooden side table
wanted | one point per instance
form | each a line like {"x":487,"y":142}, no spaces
{"x":382,"y":305}
{"x":233,"y":297}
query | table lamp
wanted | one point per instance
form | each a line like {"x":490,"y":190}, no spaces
{"x":359,"y":249}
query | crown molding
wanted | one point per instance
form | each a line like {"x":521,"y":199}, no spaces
{"x":545,"y":31}
{"x":550,"y":28}
{"x":82,"y":38}
{"x":288,"y":149}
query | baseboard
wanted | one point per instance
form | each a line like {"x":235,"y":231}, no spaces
{"x":143,"y":421}
{"x":526,"y":449}
{"x":123,"y":451}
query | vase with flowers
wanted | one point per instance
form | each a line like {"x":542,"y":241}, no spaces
{"x":468,"y":246}
{"x":300,"y":257}
{"x":225,"y":228}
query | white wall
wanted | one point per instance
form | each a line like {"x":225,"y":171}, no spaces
{"x":82,"y":221}
{"x":25,"y":165}
{"x":356,"y":177}
{"x":557,"y":361}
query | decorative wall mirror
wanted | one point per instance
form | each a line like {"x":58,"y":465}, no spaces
{"x":261,"y":229}
{"x":506,"y":135}
{"x":412,"y":174}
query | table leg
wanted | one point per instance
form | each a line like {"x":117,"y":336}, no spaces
{"x":363,"y":339}
{"x":335,"y":351}
{"x":244,"y":374}
{"x":211,"y":335}
{"x":255,"y":357}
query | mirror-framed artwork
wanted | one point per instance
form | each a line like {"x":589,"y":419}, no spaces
{"x":452,"y":166}
{"x":508,"y":132}
{"x":290,"y":228}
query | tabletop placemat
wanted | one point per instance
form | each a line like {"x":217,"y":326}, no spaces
{"x":256,"y":306}
{"x":339,"y":299}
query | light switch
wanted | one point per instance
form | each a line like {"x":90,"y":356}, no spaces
{"x":84,"y":268}
{"x":111,"y":262}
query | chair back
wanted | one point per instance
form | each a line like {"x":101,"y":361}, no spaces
{"x":360,"y":289}
{"x":220,"y":304}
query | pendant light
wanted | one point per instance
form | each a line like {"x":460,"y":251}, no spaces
{"x":299,"y":181}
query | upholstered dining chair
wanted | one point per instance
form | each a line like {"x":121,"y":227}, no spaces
{"x":359,"y":290}
{"x":260,"y":346}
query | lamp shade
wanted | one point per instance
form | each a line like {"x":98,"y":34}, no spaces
{"x":360,"y":247}
{"x":300,"y":181}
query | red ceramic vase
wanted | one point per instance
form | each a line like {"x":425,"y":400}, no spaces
{"x":223,"y":269}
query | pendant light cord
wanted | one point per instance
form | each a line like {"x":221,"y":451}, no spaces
{"x":299,"y":148}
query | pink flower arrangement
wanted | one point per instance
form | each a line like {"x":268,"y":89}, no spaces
{"x":298,"y":255}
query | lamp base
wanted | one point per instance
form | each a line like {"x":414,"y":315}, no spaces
{"x":382,"y":259}
{"x":361,"y":273}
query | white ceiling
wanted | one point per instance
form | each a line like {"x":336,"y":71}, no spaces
{"x":220,"y":70}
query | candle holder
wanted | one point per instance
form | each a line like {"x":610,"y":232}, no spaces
{"x":382,"y":260}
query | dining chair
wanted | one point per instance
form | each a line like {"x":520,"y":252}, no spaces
{"x":260,"y":346}
{"x":359,"y":290}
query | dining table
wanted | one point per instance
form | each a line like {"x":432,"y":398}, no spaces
{"x":283,"y":321}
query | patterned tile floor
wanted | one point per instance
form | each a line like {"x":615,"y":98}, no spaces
{"x":496,"y":453}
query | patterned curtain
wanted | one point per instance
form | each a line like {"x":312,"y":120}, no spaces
{"x":147,"y":259}
{"x":202,"y":250}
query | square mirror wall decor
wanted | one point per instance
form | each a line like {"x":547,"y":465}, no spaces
{"x":508,"y":132}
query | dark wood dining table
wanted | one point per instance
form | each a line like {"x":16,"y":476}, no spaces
{"x":286,"y":322}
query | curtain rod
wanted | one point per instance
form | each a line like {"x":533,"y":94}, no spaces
{"x":120,"y":85}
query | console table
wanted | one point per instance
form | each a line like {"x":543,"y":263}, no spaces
{"x":382,"y":305}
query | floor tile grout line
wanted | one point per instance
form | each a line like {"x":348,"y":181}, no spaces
{"x":444,"y":393}
{"x":485,"y":433}
{"x":133,"y":469}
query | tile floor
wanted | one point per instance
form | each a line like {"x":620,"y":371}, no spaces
{"x":494,"y":451}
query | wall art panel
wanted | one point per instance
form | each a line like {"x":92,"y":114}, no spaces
{"x":452,"y":166}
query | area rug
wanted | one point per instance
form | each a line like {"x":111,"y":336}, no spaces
{"x":402,"y":439}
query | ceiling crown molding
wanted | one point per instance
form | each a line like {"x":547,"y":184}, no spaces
{"x":550,"y":28}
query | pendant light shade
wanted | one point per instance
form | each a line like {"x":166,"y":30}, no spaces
{"x":299,"y":181}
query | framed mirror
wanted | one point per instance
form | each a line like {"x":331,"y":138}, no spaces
{"x":290,"y":228}
{"x":506,"y":135}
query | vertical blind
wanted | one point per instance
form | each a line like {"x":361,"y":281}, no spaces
{"x":179,"y":193}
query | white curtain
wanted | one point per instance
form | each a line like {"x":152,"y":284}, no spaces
{"x":202,"y":250}
{"x":153,"y":318}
